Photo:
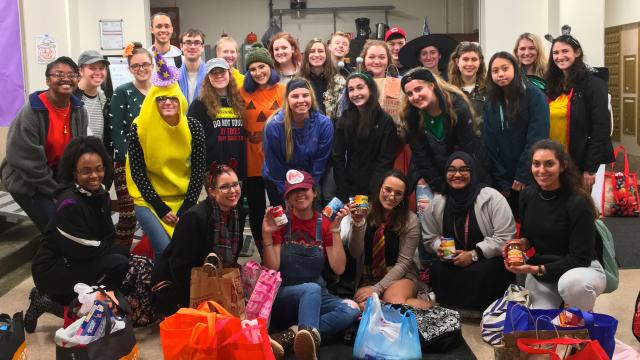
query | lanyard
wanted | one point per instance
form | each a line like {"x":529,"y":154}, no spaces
{"x":466,"y":230}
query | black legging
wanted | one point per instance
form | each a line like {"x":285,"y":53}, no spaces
{"x":254,"y":190}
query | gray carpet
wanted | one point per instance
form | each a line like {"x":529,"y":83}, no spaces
{"x":626,"y":237}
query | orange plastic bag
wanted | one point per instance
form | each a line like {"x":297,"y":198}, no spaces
{"x":211,"y":332}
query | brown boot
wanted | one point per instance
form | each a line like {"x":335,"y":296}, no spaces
{"x":306,"y":344}
{"x":281,"y":342}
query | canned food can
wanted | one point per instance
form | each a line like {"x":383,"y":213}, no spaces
{"x":332,"y":208}
{"x":423,"y":192}
{"x":448,"y":246}
{"x":278,"y":215}
{"x":362,"y":204}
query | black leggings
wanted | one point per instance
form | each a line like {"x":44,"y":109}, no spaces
{"x":254,"y":191}
{"x":56,"y":277}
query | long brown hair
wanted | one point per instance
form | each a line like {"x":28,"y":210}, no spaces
{"x":399,"y":214}
{"x":455,"y":76}
{"x":209,"y":96}
{"x":296,"y":56}
{"x":327,"y":68}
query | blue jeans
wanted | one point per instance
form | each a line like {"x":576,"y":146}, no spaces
{"x":317,"y":309}
{"x":152,"y":227}
{"x":39,"y":207}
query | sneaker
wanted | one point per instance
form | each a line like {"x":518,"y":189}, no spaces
{"x":306,"y":344}
{"x":40,"y":303}
{"x":281,"y":342}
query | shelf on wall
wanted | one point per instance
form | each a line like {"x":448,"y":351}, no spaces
{"x":334,"y":11}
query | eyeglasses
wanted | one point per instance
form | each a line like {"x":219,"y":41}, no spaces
{"x":462,"y":170}
{"x":227,"y":188}
{"x":87,"y":171}
{"x":143,"y":66}
{"x":61,"y":75}
{"x":192,"y":43}
{"x":163,"y":99}
{"x":390,"y":192}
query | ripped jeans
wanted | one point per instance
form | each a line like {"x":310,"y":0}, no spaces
{"x":317,"y":309}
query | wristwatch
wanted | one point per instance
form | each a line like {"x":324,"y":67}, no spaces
{"x":474,"y":255}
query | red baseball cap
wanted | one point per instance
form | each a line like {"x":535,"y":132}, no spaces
{"x":296,"y":179}
{"x":395,"y":31}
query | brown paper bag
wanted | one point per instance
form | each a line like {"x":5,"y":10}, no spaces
{"x":213,"y":282}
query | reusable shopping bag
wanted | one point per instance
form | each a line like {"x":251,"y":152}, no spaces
{"x":261,"y":286}
{"x":493,"y":317}
{"x":606,"y":253}
{"x":12,"y":344}
{"x":386,"y":333}
{"x":563,"y":348}
{"x":620,"y":191}
{"x":213,"y":282}
{"x":635,"y":321}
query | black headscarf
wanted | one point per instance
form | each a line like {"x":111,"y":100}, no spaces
{"x":459,"y":201}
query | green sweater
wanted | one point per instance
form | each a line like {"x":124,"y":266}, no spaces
{"x":125,"y":106}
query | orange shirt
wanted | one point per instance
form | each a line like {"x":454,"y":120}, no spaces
{"x":59,"y":131}
{"x":259,"y":106}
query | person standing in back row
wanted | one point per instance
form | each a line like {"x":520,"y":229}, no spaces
{"x":192,"y":72}
{"x":162,"y":31}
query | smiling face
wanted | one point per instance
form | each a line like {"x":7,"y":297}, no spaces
{"x":300,"y":199}
{"x":168,"y":106}
{"x":526,"y":52}
{"x":161,"y":29}
{"x":339,"y":46}
{"x":260,"y":72}
{"x":458,"y":174}
{"x":420,"y":93}
{"x":89,"y":172}
{"x":468,"y":63}
{"x":282,"y":51}
{"x":62,"y":86}
{"x":192,"y":47}
{"x":299,"y":102}
{"x":376,"y":61}
{"x":391,"y":192}
{"x":564,"y":56}
{"x":429,"y":57}
{"x":140,"y":65}
{"x":227,"y":51}
{"x":395,"y":45}
{"x":227,"y":190}
{"x":502,"y":72}
{"x":219,"y":78}
{"x":317,"y":56}
{"x":546,"y":169}
{"x":358,"y":92}
{"x":94,"y":74}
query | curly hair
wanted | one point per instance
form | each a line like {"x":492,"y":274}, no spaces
{"x":77,"y":147}
{"x":209,"y":96}
{"x":455,"y":76}
{"x":539,"y":67}
{"x":296,"y":56}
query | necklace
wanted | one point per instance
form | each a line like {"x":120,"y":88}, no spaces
{"x":549,"y":198}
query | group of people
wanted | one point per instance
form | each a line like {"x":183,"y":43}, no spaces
{"x":516,"y":141}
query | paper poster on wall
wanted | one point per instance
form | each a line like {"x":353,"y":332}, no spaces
{"x":119,"y":69}
{"x":46,"y":48}
{"x":111,"y":35}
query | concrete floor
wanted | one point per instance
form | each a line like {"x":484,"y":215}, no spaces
{"x":40,"y":344}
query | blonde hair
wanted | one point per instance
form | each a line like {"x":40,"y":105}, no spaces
{"x":226,"y":39}
{"x":211,"y":99}
{"x":288,"y":116}
{"x":540,"y":65}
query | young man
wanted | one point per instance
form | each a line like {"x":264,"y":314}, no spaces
{"x":162,"y":30}
{"x":339,"y":47}
{"x":93,"y":72}
{"x":192,"y":71}
{"x":395,"y":38}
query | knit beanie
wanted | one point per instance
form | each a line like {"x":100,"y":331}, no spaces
{"x":258,"y":53}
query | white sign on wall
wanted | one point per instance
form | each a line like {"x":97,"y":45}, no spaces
{"x":111,"y":35}
{"x":46,"y":48}
{"x":119,"y":69}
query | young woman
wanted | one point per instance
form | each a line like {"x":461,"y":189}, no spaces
{"x":262,"y":95}
{"x":37,"y":138}
{"x":318,"y":69}
{"x":431,"y":51}
{"x":376,"y":57}
{"x":78,"y":246}
{"x":218,"y":109}
{"x":531,"y":57}
{"x":579,"y":113}
{"x":516,"y":116}
{"x":365,"y":141}
{"x":439,"y":122}
{"x":214,"y":225}
{"x":285,"y":51}
{"x":557,"y":218}
{"x":227,"y":48}
{"x":468,"y":72}
{"x":125,"y":106}
{"x":166,"y":160}
{"x":296,"y":137}
{"x":383,"y":242}
{"x":299,"y":250}
{"x":480,"y":222}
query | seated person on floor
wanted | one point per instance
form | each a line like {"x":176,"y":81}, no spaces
{"x":214,"y":225}
{"x":298,"y":250}
{"x":383,"y":241}
{"x":480,"y":222}
{"x":78,"y":246}
{"x":558,"y":222}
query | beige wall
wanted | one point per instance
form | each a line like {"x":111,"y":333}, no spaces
{"x":620,"y":12}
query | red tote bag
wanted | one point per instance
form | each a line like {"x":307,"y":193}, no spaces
{"x":620,"y":190}
{"x":585,"y":349}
